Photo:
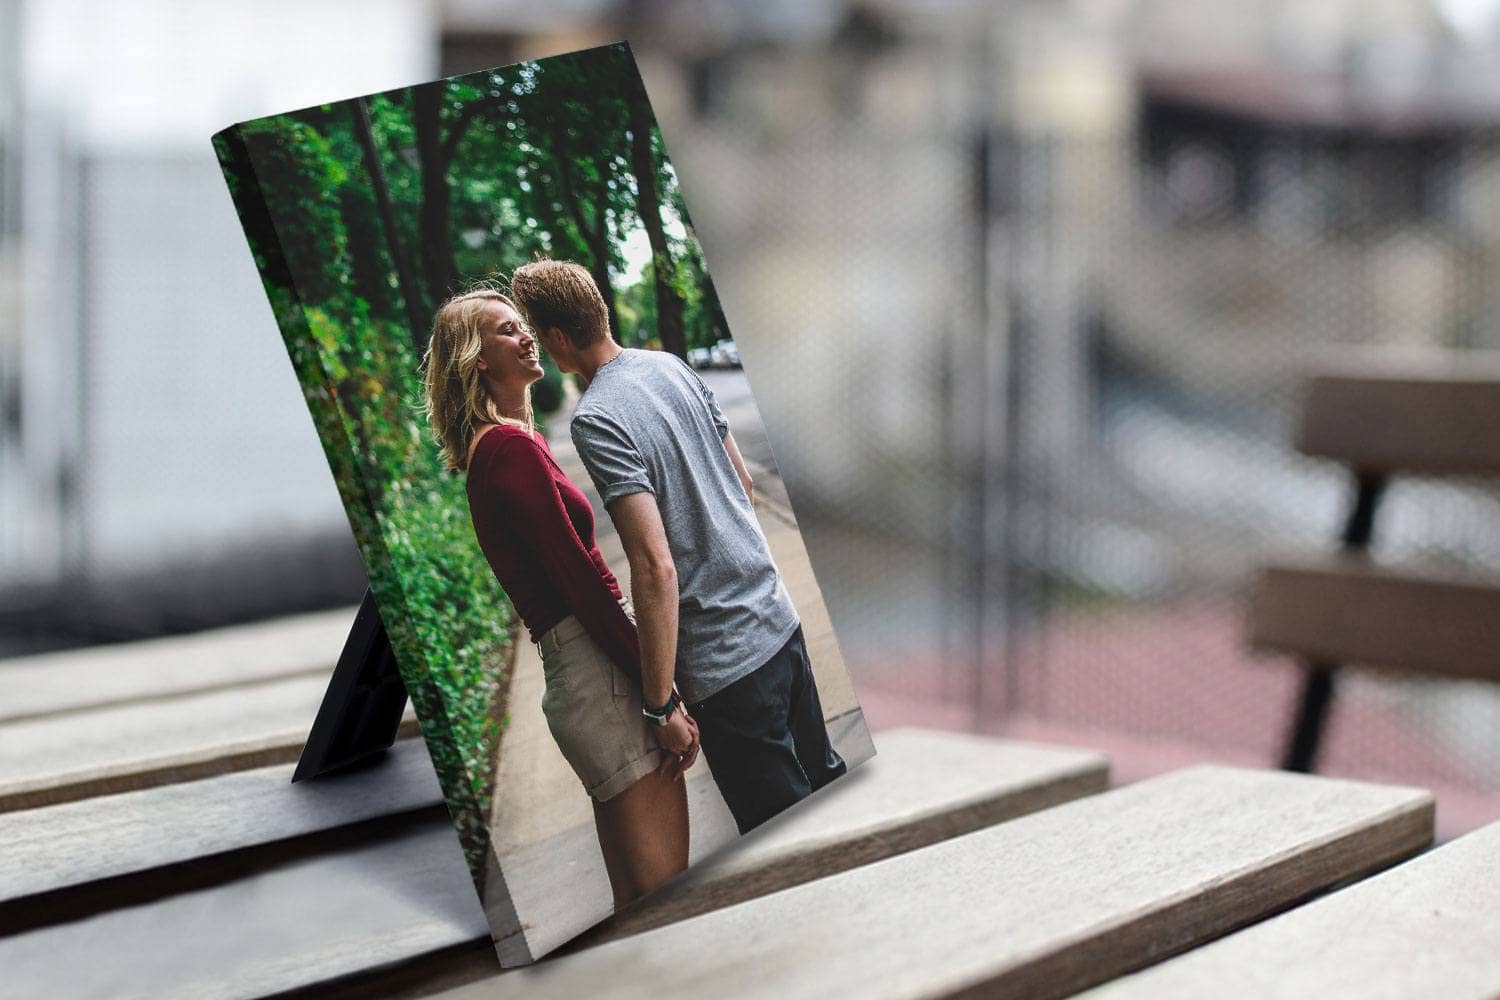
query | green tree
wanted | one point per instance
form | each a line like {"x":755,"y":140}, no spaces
{"x":638,"y":310}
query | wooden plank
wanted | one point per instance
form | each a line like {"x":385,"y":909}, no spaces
{"x":1044,"y":905}
{"x":1426,"y":928}
{"x":271,"y":934}
{"x":271,"y":931}
{"x":1344,"y":609}
{"x":134,"y":671}
{"x":1439,"y":414}
{"x":114,"y":748}
{"x":89,"y":847}
{"x":923,"y":787}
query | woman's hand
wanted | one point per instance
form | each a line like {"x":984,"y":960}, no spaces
{"x":679,"y":738}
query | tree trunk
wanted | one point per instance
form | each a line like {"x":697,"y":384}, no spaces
{"x":648,"y":204}
{"x":599,"y":268}
{"x":439,"y":270}
{"x":415,"y":312}
{"x":595,"y":236}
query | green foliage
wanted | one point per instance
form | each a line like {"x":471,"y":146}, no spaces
{"x":462,"y":619}
{"x":702,"y":316}
{"x":297,"y":172}
{"x":547,"y":392}
{"x":637,"y":306}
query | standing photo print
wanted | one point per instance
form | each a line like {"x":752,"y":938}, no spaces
{"x":600,"y":603}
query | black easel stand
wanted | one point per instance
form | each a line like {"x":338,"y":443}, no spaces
{"x":362,"y":707}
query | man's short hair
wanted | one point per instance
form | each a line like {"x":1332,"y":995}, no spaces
{"x":561,"y":293}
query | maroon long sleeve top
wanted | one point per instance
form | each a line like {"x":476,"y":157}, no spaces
{"x":536,"y":529}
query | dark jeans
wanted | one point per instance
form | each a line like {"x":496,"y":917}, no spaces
{"x":764,"y":738}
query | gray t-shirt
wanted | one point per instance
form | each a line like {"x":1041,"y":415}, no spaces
{"x":647,"y":423}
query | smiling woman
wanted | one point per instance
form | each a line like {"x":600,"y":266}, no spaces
{"x":505,"y":343}
{"x":480,"y":365}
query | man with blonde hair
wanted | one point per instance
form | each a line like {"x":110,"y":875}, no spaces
{"x":716,"y":623}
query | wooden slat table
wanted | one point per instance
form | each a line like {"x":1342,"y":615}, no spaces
{"x":266,"y":929}
{"x":139,"y":715}
{"x":155,"y":669}
{"x":185,"y":866}
{"x":82,"y":856}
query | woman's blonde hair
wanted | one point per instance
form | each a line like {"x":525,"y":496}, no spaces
{"x":456,"y":398}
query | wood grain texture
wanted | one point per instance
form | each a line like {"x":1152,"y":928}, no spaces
{"x":1440,"y":415}
{"x":1041,"y":906}
{"x":115,"y":748}
{"x":272,"y":931}
{"x":57,"y":847}
{"x":155,"y":668}
{"x":1342,"y":609}
{"x":1427,"y":928}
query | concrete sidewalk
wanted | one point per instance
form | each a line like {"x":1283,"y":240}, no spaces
{"x":542,"y":821}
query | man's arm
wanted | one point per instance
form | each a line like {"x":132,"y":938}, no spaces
{"x":624,"y":485}
{"x":722,"y":426}
{"x":739,"y":466}
{"x":653,"y":589}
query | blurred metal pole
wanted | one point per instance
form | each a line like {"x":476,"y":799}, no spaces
{"x":987,"y":446}
{"x":978,"y":373}
{"x":963,"y":383}
{"x":12,"y":477}
{"x":997,"y":696}
{"x":73,"y":468}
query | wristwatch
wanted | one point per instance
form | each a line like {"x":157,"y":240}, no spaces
{"x":662,"y":714}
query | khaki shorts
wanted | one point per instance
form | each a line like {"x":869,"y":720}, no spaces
{"x":594,"y":711}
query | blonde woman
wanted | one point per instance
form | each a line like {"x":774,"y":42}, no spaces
{"x":537,"y":532}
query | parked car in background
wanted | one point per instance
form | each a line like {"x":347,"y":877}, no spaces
{"x":725,"y":355}
{"x":700,"y":357}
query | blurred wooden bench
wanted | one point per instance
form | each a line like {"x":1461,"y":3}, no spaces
{"x":1425,"y":415}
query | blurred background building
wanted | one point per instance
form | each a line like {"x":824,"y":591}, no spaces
{"x":1023,"y":290}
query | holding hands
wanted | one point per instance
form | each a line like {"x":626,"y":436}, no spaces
{"x":677,"y":734}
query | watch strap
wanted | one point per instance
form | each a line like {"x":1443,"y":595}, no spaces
{"x":661,"y":714}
